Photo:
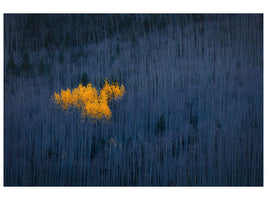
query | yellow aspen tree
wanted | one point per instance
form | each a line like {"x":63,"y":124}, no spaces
{"x":89,"y":101}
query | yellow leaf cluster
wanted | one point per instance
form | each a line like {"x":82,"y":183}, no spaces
{"x":113,"y":91}
{"x":92,"y":103}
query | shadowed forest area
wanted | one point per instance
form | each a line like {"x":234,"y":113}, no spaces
{"x":192,"y":113}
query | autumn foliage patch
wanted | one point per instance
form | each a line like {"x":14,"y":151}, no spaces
{"x":92,"y":103}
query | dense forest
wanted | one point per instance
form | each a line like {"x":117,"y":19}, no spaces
{"x":191,"y":115}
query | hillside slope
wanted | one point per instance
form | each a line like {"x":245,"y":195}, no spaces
{"x":192,"y":114}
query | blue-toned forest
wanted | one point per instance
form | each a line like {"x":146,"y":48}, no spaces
{"x":191,"y":115}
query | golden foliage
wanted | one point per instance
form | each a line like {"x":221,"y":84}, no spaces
{"x":92,"y":103}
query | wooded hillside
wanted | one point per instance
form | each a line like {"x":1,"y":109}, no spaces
{"x":192,"y":114}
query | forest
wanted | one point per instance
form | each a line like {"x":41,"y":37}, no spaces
{"x":190,"y":112}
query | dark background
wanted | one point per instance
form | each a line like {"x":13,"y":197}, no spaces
{"x":192,"y":114}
